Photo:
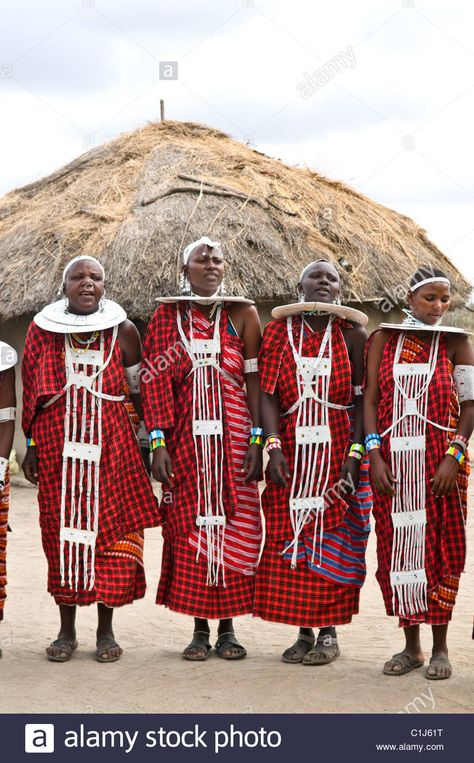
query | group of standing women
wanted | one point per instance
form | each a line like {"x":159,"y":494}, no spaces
{"x":206,"y":396}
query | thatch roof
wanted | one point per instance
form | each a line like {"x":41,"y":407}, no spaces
{"x":134,"y":203}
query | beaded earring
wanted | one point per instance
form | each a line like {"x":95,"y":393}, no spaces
{"x":184,"y":284}
{"x":66,"y":305}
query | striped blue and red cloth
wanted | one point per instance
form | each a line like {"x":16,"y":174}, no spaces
{"x":343,"y":548}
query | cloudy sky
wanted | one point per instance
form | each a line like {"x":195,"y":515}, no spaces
{"x":377,"y":93}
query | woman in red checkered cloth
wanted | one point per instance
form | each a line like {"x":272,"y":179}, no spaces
{"x":80,"y":370}
{"x":313,"y":562}
{"x":8,"y":359}
{"x":420,"y":389}
{"x":201,"y":404}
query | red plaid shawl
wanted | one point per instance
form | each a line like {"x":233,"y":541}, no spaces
{"x":278,"y":372}
{"x":445,"y":537}
{"x":167,"y":401}
{"x":126,"y":501}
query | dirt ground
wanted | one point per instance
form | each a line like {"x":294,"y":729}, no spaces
{"x":152,"y":677}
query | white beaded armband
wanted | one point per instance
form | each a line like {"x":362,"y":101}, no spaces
{"x":357,"y":389}
{"x":251,"y":366}
{"x":3,"y":469}
{"x":464,"y":381}
{"x":7,"y":414}
{"x":133,"y":378}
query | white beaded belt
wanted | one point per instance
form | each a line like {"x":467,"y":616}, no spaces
{"x":307,"y":504}
{"x":210,"y":521}
{"x":313,"y":434}
{"x":207,"y":427}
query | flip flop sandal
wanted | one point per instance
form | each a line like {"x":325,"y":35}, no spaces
{"x":302,"y":646}
{"x":200,"y":643}
{"x":443,"y":661}
{"x":103,"y":645}
{"x":408,"y":664}
{"x":67,"y":647}
{"x":323,"y":651}
{"x":226,"y":640}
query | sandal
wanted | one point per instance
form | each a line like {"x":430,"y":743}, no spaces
{"x":224,"y":642}
{"x":103,"y":646}
{"x":302,"y":646}
{"x":442,"y":662}
{"x":407,"y":662}
{"x":325,"y":650}
{"x":201,"y":642}
{"x":67,"y":647}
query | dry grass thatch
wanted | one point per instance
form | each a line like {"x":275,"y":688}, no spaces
{"x":135,"y":202}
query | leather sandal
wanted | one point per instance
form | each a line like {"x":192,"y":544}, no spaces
{"x":407,"y":664}
{"x":103,"y":646}
{"x":324,"y":651}
{"x":224,"y":642}
{"x":66,"y":646}
{"x":200,"y":641}
{"x":302,"y":646}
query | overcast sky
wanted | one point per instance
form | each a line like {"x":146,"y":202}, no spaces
{"x":377,"y":93}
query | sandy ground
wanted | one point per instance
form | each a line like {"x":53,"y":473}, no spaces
{"x":152,"y":677}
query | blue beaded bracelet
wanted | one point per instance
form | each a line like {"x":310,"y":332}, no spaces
{"x":256,"y":432}
{"x":373,"y":437}
{"x":156,"y":434}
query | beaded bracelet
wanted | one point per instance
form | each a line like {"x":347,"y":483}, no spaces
{"x":159,"y":442}
{"x":357,"y":450}
{"x":156,"y":434}
{"x":256,"y":440}
{"x":273,"y":446}
{"x":257,"y":431}
{"x":272,"y":442}
{"x":372,"y":445}
{"x":459,"y":439}
{"x":272,"y":438}
{"x":373,"y":437}
{"x":455,"y":453}
{"x":30,"y":442}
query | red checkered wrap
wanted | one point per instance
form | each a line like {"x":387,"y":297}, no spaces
{"x":183,"y":587}
{"x":119,"y":573}
{"x":277,"y":370}
{"x":299,"y":597}
{"x":167,"y":401}
{"x":445,"y":545}
{"x":4,"y":505}
{"x":126,"y":500}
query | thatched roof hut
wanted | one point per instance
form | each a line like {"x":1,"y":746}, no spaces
{"x":135,"y":201}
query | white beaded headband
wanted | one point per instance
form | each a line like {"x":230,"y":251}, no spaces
{"x":437,"y":279}
{"x":203,"y":240}
{"x":322,"y":259}
{"x":79,"y":259}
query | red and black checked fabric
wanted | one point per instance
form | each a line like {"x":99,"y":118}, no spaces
{"x":126,"y":500}
{"x":299,"y":597}
{"x":167,"y":399}
{"x":445,"y":545}
{"x":119,"y":575}
{"x":183,"y":588}
{"x":277,"y":370}
{"x":4,"y":505}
